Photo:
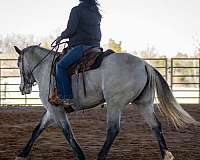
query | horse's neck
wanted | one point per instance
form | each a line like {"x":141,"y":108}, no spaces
{"x":41,"y":61}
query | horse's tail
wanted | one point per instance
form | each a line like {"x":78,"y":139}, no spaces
{"x":168,"y":104}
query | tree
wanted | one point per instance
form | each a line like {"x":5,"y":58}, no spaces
{"x":181,"y":55}
{"x":149,"y":52}
{"x":19,"y":40}
{"x":22,"y":41}
{"x":46,"y":44}
{"x":182,"y":72}
{"x":114,"y":46}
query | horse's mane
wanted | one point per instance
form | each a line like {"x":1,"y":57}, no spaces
{"x":34,"y":47}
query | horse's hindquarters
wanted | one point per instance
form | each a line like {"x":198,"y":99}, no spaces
{"x":123,"y":78}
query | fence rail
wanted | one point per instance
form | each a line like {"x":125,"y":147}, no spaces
{"x":182,"y":75}
{"x":191,"y":74}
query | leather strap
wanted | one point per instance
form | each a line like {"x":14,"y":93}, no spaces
{"x":93,"y":49}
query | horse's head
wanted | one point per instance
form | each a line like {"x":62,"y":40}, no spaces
{"x":26,"y":73}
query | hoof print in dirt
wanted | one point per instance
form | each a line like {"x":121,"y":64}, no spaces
{"x":20,"y":158}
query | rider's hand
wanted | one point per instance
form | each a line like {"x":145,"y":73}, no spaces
{"x":58,"y":39}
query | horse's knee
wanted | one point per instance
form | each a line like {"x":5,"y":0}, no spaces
{"x":62,"y":122}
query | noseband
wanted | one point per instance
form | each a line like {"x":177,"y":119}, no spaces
{"x":28,"y":78}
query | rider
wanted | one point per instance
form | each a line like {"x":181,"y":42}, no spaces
{"x":83,"y":31}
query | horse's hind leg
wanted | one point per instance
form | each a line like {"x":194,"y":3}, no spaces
{"x":147,"y":112}
{"x":35,"y":134}
{"x":62,"y":122}
{"x":113,"y":123}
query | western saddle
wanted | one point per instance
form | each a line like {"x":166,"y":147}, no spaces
{"x":91,"y":59}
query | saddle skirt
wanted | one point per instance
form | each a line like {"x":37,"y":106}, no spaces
{"x":92,"y":59}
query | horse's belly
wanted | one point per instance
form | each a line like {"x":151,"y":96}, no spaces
{"x":92,"y":95}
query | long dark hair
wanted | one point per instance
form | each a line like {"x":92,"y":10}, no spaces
{"x":93,"y":4}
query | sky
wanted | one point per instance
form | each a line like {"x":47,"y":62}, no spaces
{"x":170,"y":26}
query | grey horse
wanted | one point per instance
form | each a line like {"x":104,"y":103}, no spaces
{"x":121,"y":79}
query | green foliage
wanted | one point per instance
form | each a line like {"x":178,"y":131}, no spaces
{"x":115,"y":46}
{"x":46,"y":44}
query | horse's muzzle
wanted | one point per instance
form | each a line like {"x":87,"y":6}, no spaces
{"x":25,"y":90}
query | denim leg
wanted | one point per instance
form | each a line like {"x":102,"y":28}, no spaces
{"x":62,"y":77}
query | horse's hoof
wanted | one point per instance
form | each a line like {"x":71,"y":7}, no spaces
{"x":20,"y":158}
{"x":168,"y":156}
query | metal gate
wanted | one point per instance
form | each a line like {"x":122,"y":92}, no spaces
{"x":185,"y":79}
{"x":182,"y":75}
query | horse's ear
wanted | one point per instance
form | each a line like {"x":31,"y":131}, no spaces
{"x":18,"y":50}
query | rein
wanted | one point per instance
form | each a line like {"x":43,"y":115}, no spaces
{"x":31,"y":81}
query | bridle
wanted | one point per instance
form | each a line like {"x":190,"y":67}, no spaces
{"x":29,"y":79}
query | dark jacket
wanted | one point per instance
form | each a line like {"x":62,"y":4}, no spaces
{"x":83,"y":26}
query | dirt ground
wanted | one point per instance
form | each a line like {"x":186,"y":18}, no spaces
{"x":135,"y":141}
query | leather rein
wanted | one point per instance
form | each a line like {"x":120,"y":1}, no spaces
{"x":28,"y":78}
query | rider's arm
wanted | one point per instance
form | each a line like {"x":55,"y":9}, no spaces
{"x":72,"y":23}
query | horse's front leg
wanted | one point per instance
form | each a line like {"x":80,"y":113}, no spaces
{"x":35,"y":134}
{"x":63,"y":123}
{"x":113,"y":122}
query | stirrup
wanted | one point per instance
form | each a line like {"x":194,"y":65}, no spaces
{"x":67,"y":102}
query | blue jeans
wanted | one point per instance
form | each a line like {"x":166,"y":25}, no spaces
{"x":63,"y":79}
